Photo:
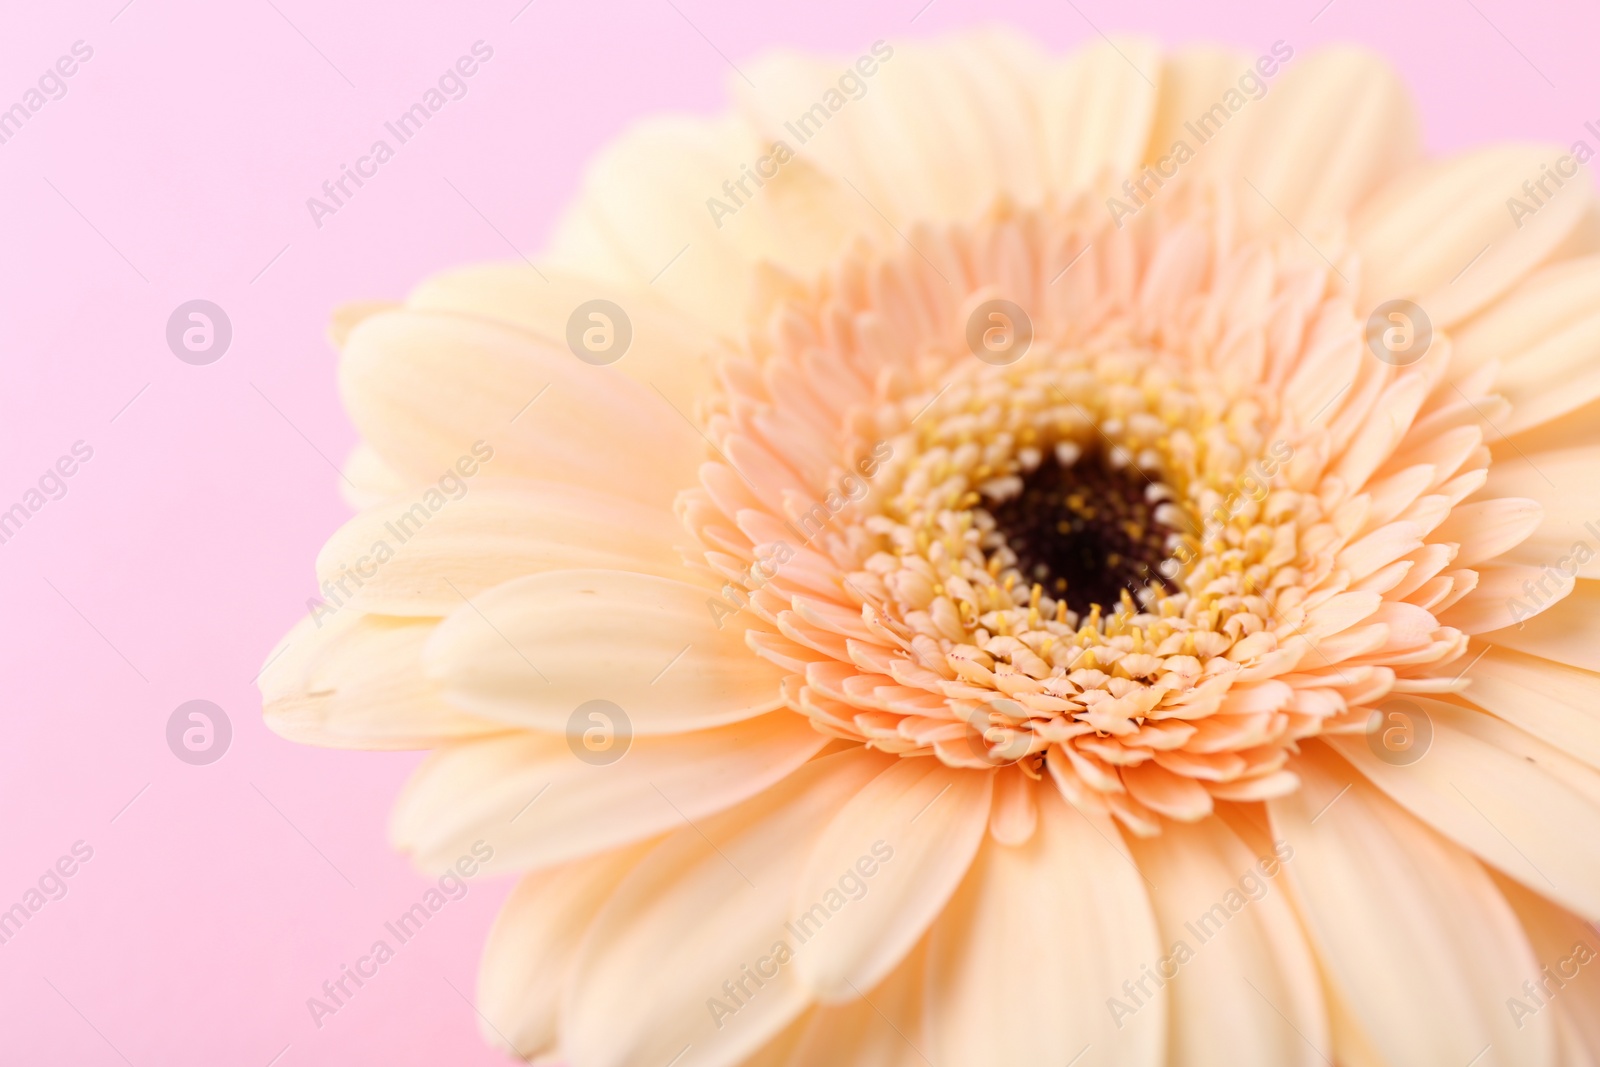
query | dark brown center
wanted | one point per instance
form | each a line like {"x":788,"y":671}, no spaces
{"x":1086,"y":532}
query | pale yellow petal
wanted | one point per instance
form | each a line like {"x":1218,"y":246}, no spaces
{"x":436,"y":393}
{"x":924,"y":822}
{"x":1010,"y":981}
{"x":1553,"y":702}
{"x":1240,"y":984}
{"x":527,"y":961}
{"x":536,"y":803}
{"x":1518,"y":804}
{"x":529,"y":652}
{"x":348,"y":680}
{"x":405,"y":557}
{"x":701,"y":939}
{"x":1418,"y":947}
{"x":1441,"y":234}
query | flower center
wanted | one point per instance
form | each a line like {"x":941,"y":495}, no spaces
{"x":1086,"y":529}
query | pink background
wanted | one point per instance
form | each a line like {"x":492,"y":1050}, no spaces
{"x":191,"y":141}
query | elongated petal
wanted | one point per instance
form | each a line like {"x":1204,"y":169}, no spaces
{"x":1009,"y":981}
{"x":1419,"y":237}
{"x":1418,"y":946}
{"x":1558,"y":704}
{"x":1240,"y":983}
{"x":412,"y":559}
{"x":439,"y":395}
{"x":532,"y":800}
{"x":1515,"y":802}
{"x":527,"y":962}
{"x":348,"y":680}
{"x":700,"y":938}
{"x":925,"y":821}
{"x":533,"y":650}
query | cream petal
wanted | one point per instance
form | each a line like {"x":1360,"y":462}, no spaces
{"x":1097,"y":108}
{"x":881,"y":1029}
{"x":686,"y":206}
{"x":1419,"y":234}
{"x":1243,"y":988}
{"x":1500,"y":599}
{"x":432,"y":391}
{"x":1014,"y":814}
{"x":1558,"y":704}
{"x":1567,"y":631}
{"x":929,"y":819}
{"x":368,"y":481}
{"x":1190,"y":82}
{"x":711,"y":905}
{"x":1566,"y":949}
{"x":923,"y":141}
{"x":1546,"y":336}
{"x":1012,"y":978}
{"x":1514,"y":801}
{"x":527,"y":961}
{"x":1487,"y":528}
{"x":412,"y":560}
{"x":355,"y":681}
{"x":1562,"y":480}
{"x":1418,"y":948}
{"x":531,"y":651}
{"x":669,"y":349}
{"x":1177,"y":796}
{"x":532,"y":800}
{"x":1334,"y":126}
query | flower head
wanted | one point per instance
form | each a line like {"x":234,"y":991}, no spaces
{"x":1059,"y":557}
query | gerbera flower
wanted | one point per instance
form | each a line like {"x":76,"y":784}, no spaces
{"x":984,"y":558}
